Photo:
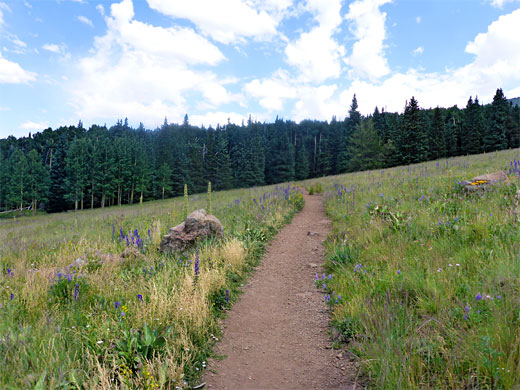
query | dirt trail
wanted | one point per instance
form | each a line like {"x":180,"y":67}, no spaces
{"x":276,"y":335}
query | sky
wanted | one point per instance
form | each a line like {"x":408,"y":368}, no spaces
{"x":62,"y":61}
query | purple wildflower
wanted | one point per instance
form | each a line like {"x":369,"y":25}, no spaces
{"x":197,"y":260}
{"x":499,"y":297}
{"x":478,"y":297}
{"x":76,"y":292}
{"x":339,"y":297}
{"x":227,"y":295}
{"x":466,"y":308}
{"x":117,"y":304}
{"x":330,"y":276}
{"x":11,"y":297}
{"x":140,"y":297}
{"x":398,"y":272}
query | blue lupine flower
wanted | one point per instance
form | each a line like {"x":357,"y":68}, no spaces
{"x":11,"y":297}
{"x":117,"y":304}
{"x":76,"y":292}
{"x":140,"y":297}
{"x":197,"y":260}
{"x":330,"y":276}
{"x":324,"y":285}
{"x":398,"y":272}
{"x":317,"y":277}
{"x":339,"y":297}
{"x":9,"y":272}
{"x":466,"y":308}
{"x":227,"y":295}
{"x":122,"y":314}
{"x":499,"y":297}
{"x":478,"y":297}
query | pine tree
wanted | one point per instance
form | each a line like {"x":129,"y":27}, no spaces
{"x":436,"y":136}
{"x":366,"y":150}
{"x":412,"y":145}
{"x":39,"y":179}
{"x":301,"y":165}
{"x":280,"y":157}
{"x":196,"y":167}
{"x":472,"y":128}
{"x":495,"y":137}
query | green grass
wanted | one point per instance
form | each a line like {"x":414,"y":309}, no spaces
{"x":75,"y":315}
{"x":411,"y":254}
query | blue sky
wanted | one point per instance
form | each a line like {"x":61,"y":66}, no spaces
{"x":62,"y":61}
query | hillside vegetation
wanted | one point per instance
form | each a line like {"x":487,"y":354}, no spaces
{"x":74,"y":314}
{"x":424,"y":285}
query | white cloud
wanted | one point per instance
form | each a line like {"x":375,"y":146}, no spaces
{"x":27,"y":4}
{"x":500,"y":3}
{"x":272,"y":92}
{"x":143,"y":71}
{"x":101,"y":9}
{"x":3,"y":7}
{"x":85,"y":20}
{"x":316,"y":54}
{"x":368,"y":27}
{"x":227,"y":21}
{"x":34,"y":126}
{"x":52,"y":47}
{"x":12,"y":73}
{"x":418,"y":51}
{"x":418,"y":20}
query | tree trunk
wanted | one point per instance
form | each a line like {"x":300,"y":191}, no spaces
{"x":92,"y":198}
{"x":103,"y":201}
{"x":163,"y":193}
{"x":141,"y":198}
{"x":81,"y":201}
{"x":132,"y":195}
{"x":76,"y":205}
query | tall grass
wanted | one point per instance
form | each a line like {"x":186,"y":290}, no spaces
{"x":76,"y":313}
{"x":425,"y":284}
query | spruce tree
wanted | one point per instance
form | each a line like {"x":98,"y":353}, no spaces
{"x":77,"y":169}
{"x":436,"y":136}
{"x":495,"y":137}
{"x":472,"y":128}
{"x":301,"y":165}
{"x":412,"y":145}
{"x":366,"y":149}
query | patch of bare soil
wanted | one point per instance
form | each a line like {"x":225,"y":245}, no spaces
{"x":276,"y":336}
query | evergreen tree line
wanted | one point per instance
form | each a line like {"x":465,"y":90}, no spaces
{"x":75,"y":168}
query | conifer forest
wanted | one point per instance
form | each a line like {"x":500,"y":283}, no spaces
{"x":72,"y":167}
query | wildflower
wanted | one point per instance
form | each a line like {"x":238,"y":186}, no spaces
{"x":478,"y":297}
{"x":339,"y":297}
{"x":465,"y":316}
{"x":466,"y":308}
{"x":317,"y":277}
{"x":197,"y":260}
{"x":398,"y":272}
{"x":100,"y":342}
{"x":227,"y":295}
{"x":122,"y":314}
{"x":140,"y":297}
{"x":499,"y":297}
{"x":76,"y":292}
{"x":330,"y":276}
{"x":324,"y":285}
{"x":9,"y":272}
{"x":11,"y":297}
{"x":117,"y":304}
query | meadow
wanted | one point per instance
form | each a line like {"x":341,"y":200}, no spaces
{"x":423,"y":278}
{"x":75,"y":314}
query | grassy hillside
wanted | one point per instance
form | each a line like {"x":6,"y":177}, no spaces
{"x":74,"y":314}
{"x":425,"y":284}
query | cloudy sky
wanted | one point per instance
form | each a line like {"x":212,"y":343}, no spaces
{"x":62,"y":61}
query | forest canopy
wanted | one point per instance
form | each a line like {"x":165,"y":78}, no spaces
{"x":74,"y":168}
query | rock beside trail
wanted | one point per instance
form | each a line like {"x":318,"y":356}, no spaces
{"x":198,"y":224}
{"x":484,"y":181}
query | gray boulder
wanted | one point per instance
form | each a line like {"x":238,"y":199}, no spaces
{"x":484,"y":181}
{"x":197,"y":225}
